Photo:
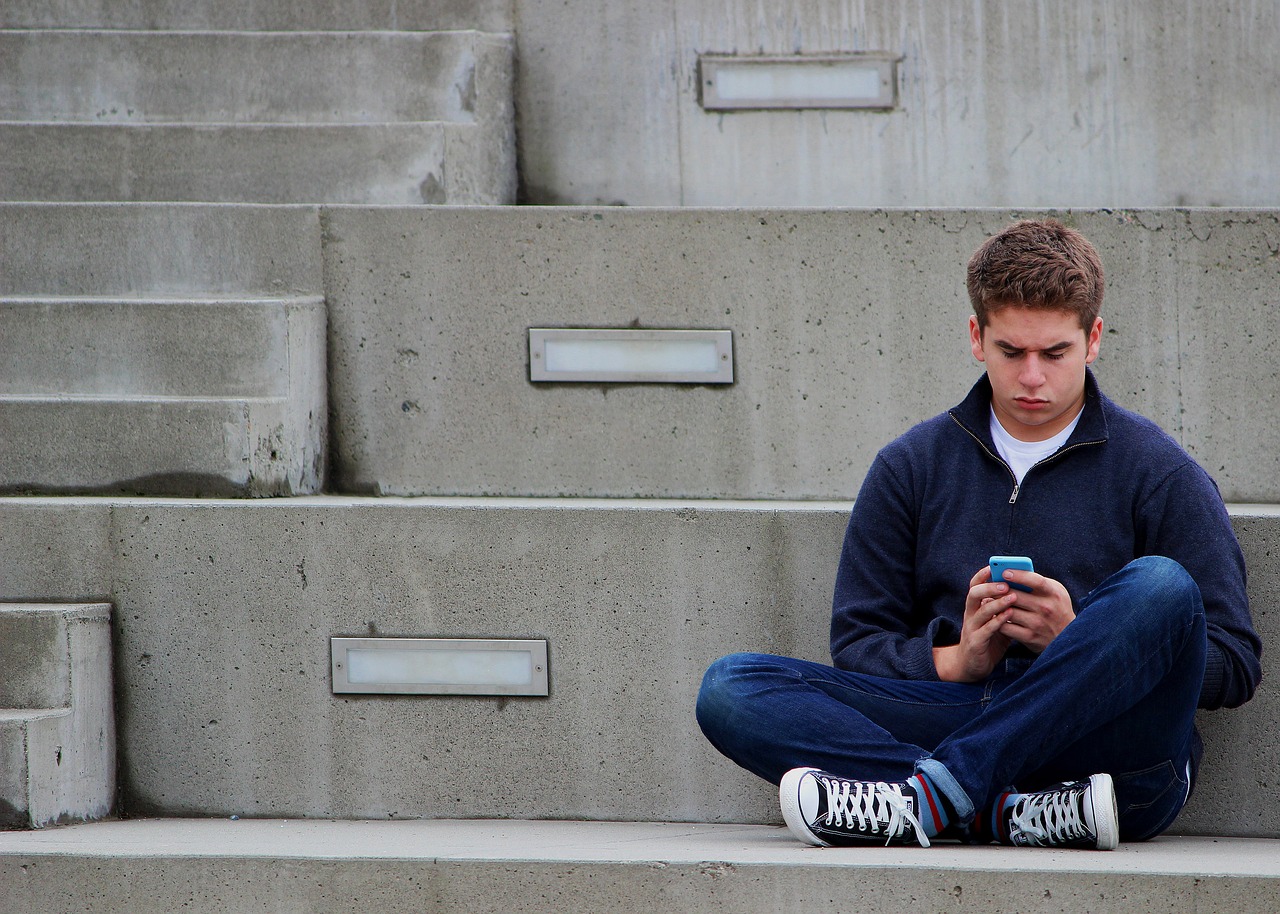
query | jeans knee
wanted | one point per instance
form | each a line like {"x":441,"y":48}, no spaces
{"x":1158,"y":602}
{"x":1152,"y":601}
{"x":716,"y":696}
{"x":1167,"y":583}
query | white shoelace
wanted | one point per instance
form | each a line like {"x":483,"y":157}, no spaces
{"x":1048,"y":819}
{"x":872,"y":808}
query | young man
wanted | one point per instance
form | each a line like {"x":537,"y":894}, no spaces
{"x":1054,"y":707}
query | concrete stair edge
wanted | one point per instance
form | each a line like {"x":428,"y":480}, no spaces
{"x":557,"y":866}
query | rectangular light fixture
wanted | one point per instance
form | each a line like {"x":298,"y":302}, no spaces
{"x":439,"y":666}
{"x":866,"y":79}
{"x":631,"y":356}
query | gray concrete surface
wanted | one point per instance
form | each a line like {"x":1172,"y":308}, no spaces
{"x":381,"y":164}
{"x":257,"y":116}
{"x":159,"y":250}
{"x":34,"y":657}
{"x":147,"y":445}
{"x":1001,"y":104}
{"x":163,"y":397}
{"x":848,"y":325}
{"x":291,"y":15}
{"x":56,"y":346}
{"x":319,"y":867}
{"x":1155,"y":105}
{"x":119,"y":377}
{"x":57,"y":714}
{"x":429,"y":310}
{"x":225,"y":610}
{"x":139,"y":77}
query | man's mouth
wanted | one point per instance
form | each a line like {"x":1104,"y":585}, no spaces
{"x":1031,"y":402}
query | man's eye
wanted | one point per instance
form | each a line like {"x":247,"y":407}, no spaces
{"x":1055,"y":356}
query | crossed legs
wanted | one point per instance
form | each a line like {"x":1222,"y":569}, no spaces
{"x":1116,"y":692}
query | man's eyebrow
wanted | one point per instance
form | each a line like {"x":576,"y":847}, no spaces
{"x":1056,"y":347}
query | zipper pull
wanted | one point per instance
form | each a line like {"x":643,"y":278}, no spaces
{"x":1014,"y":497}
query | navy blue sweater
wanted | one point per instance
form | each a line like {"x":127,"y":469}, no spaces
{"x":938,"y":501}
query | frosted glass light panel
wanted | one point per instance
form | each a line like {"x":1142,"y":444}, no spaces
{"x":856,"y":80}
{"x":631,"y":356}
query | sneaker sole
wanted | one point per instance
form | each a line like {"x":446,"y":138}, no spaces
{"x":1106,"y":818}
{"x":789,"y":800}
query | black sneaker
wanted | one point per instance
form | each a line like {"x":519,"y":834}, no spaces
{"x":1077,"y":814}
{"x":825,"y":810}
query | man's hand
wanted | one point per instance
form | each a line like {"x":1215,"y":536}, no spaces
{"x":996,"y":615}
{"x":1037,"y":617}
{"x":987,"y":610}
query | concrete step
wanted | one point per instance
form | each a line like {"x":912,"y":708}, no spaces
{"x":149,"y":77}
{"x":57,"y":715}
{"x":163,"y":396}
{"x":225,"y":609}
{"x":159,"y":250}
{"x":257,"y":117}
{"x":115,"y":347}
{"x":282,"y":15}
{"x":290,"y":867}
{"x":195,"y":446}
{"x":382,"y":164}
{"x":162,"y":350}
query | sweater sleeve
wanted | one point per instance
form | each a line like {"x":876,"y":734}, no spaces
{"x":1189,"y":523}
{"x":874,"y":624}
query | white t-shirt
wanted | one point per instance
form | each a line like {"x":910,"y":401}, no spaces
{"x":1023,"y":455}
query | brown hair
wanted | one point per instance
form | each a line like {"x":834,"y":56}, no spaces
{"x":1037,"y":265}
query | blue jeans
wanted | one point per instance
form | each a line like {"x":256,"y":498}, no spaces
{"x":1115,"y":692}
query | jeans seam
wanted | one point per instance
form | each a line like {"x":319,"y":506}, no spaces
{"x":902,"y":701}
{"x":1175,"y":781}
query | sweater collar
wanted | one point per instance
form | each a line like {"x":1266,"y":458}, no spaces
{"x":974,"y":413}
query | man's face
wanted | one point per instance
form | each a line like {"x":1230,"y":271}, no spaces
{"x":1035,"y":360}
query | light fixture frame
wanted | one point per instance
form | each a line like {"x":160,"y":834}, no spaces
{"x":539,"y":337}
{"x":884,"y":62}
{"x":539,"y":685}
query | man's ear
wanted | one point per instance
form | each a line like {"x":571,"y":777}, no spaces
{"x":1095,"y":341}
{"x":975,"y":339}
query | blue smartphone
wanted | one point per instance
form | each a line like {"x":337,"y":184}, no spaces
{"x":1002,"y":563}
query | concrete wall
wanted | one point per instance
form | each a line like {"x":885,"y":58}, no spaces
{"x":1002,"y":103}
{"x":224,"y":610}
{"x":848,"y":327}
